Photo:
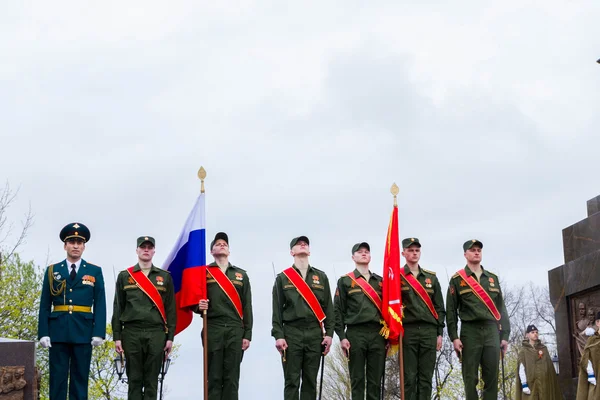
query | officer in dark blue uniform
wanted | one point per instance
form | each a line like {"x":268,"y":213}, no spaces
{"x":72,"y":316}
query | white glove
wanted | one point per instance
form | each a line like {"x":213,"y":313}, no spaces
{"x":526,"y":390}
{"x":592,"y":380}
{"x":96,"y":341}
{"x":45,"y":342}
{"x":589,"y":331}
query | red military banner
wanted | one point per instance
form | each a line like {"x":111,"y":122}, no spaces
{"x":391,"y":308}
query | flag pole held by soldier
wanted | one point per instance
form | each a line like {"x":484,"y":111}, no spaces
{"x":202,"y":176}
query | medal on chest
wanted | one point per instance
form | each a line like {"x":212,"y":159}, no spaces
{"x":316,"y":281}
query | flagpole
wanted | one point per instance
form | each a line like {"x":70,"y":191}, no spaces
{"x":395,"y":190}
{"x":202,"y":176}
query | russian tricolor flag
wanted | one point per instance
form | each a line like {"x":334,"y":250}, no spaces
{"x":187,"y":262}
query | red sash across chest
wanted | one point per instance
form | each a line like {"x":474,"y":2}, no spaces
{"x":420,"y":290}
{"x":227,"y":287}
{"x":367,"y":289}
{"x":142,"y":281}
{"x":481,"y":294}
{"x":306,"y":292}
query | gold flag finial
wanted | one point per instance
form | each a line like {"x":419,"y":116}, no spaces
{"x":202,"y":176}
{"x":395,"y":190}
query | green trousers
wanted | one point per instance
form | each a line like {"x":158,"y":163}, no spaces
{"x":481,"y":347}
{"x":419,"y":347}
{"x":367,"y":359}
{"x":144,"y":348}
{"x":224,"y":358}
{"x":69,"y":365}
{"x":303,"y":357}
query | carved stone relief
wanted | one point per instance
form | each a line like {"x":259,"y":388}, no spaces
{"x":12,"y":383}
{"x":583,"y":314}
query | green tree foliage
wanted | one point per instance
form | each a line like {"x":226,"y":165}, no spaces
{"x":20,"y":287}
{"x":104,"y":383}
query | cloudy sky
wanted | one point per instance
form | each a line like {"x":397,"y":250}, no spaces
{"x":303,"y":115}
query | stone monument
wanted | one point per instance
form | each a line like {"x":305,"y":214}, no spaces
{"x":18,"y":375}
{"x":575,"y":293}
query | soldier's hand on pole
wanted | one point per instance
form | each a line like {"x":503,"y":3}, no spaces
{"x":281,"y":345}
{"x":458,"y":346}
{"x":168,"y":348}
{"x":327,"y":343}
{"x":438,"y":346}
{"x":203,"y":304}
{"x":503,"y":346}
{"x":118,"y":347}
{"x":245,"y":344}
{"x":345,"y":344}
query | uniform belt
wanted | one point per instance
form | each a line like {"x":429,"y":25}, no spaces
{"x":70,"y":309}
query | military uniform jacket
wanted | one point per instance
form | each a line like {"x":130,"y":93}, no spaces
{"x":461,"y":301}
{"x":352,"y":306}
{"x":541,"y":375}
{"x":132,"y":305}
{"x":289,"y":307}
{"x":86,"y":290}
{"x":591,"y":352}
{"x":221,"y":310}
{"x":414,"y":308}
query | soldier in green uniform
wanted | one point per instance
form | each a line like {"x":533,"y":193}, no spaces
{"x":72,"y":316}
{"x":589,"y":365}
{"x":300,"y":335}
{"x":485,"y":327}
{"x":423,"y":322}
{"x":143,"y":321}
{"x":229,"y":321}
{"x":536,"y":377}
{"x":358,"y":324}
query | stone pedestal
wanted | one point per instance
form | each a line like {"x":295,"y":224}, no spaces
{"x":18,"y":379}
{"x":575,"y":293}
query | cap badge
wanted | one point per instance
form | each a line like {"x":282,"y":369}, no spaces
{"x":412,"y":239}
{"x":146,"y":238}
{"x":76,"y":226}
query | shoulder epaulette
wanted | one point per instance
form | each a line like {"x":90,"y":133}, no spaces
{"x":455,"y":276}
{"x":89,"y":264}
{"x":428,"y":271}
{"x":317,"y":269}
{"x":236,"y":267}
